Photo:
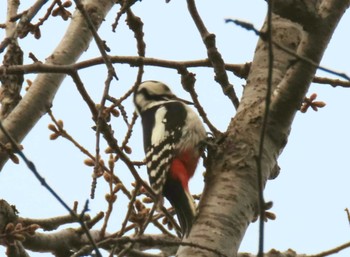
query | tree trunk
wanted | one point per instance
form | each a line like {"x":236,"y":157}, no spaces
{"x":230,"y":198}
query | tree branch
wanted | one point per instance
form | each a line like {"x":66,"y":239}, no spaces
{"x":52,"y":223}
{"x":26,"y":17}
{"x":312,"y":46}
{"x":240,"y":70}
{"x":213,"y":55}
{"x":230,"y":198}
{"x":11,"y":84}
{"x":38,"y":99}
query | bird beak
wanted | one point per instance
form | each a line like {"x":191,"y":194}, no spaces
{"x":183,"y":100}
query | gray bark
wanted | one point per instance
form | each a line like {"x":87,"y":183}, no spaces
{"x":229,"y":201}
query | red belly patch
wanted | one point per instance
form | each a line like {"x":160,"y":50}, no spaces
{"x":183,"y":167}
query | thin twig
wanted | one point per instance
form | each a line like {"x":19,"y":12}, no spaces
{"x":130,"y":209}
{"x":111,"y":73}
{"x":26,"y":17}
{"x":331,"y":251}
{"x":47,"y":14}
{"x":332,"y":82}
{"x":136,"y":25}
{"x":133,"y":226}
{"x":129,"y":132}
{"x":100,"y":44}
{"x":140,"y":232}
{"x":250,"y":27}
{"x":161,"y":228}
{"x":85,"y":95}
{"x":124,"y":7}
{"x":263,"y":131}
{"x":51,"y":223}
{"x":149,"y":219}
{"x":188,"y":82}
{"x":347,"y":214}
{"x":213,"y":55}
{"x":67,"y":136}
{"x":94,"y":112}
{"x":111,"y":199}
{"x":42,"y":181}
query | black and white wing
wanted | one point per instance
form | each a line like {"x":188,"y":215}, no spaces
{"x":164,"y":124}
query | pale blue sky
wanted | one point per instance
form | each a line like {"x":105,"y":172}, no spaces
{"x":309,"y":195}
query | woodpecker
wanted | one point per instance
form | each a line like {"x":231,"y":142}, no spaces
{"x":172,"y":136}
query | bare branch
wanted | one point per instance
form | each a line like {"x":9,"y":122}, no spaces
{"x":188,"y":80}
{"x":331,"y":251}
{"x":213,"y":54}
{"x":111,"y":73}
{"x":332,"y":82}
{"x":11,"y":84}
{"x":59,"y":131}
{"x":38,"y":99}
{"x":16,"y":250}
{"x":32,"y":168}
{"x":240,"y":70}
{"x":136,"y":25}
{"x":52,"y":223}
{"x":125,"y":6}
{"x":299,"y":57}
{"x":26,"y":17}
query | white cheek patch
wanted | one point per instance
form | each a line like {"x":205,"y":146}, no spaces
{"x":139,"y":102}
